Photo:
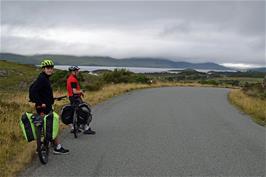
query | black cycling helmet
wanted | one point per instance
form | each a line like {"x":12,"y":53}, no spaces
{"x":73,"y":68}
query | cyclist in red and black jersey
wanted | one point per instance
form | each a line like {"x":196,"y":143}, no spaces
{"x":75,"y":94}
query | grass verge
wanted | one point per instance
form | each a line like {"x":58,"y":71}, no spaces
{"x":253,"y":106}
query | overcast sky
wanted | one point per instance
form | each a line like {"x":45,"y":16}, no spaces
{"x":199,"y":31}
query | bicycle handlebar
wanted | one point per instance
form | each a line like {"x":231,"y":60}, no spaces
{"x":55,"y":98}
{"x":59,"y":98}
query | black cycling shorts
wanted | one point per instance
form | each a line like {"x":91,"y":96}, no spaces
{"x":75,"y":100}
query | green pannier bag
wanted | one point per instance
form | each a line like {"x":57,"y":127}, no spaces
{"x":51,"y":126}
{"x":27,"y":126}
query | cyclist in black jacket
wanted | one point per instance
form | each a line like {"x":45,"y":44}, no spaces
{"x":42,"y":94}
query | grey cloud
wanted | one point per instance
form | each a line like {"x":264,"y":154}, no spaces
{"x":216,"y":31}
{"x":229,"y":14}
{"x":176,"y":28}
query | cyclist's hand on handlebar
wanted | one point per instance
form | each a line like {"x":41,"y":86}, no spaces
{"x":43,"y":105}
{"x":40,"y":108}
{"x":42,"y":114}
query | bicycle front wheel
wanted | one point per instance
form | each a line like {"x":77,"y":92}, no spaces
{"x":75,"y":125}
{"x":76,"y":129}
{"x":42,"y":147}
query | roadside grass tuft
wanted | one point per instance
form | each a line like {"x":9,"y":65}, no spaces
{"x":253,"y":106}
{"x":14,"y":149}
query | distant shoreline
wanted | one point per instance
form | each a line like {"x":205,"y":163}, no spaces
{"x":139,"y":69}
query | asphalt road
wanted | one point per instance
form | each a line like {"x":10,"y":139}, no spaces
{"x":163,"y":132}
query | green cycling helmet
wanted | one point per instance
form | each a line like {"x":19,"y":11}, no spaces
{"x":47,"y":63}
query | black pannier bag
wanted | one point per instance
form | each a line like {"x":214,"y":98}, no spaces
{"x":67,"y":113}
{"x":84,"y":113}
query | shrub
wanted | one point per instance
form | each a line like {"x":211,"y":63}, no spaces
{"x":58,"y":79}
{"x":124,"y":76}
{"x":141,"y":78}
{"x":117,"y":76}
{"x":209,"y":82}
{"x":231,"y":82}
{"x":255,"y":90}
{"x":94,"y":86}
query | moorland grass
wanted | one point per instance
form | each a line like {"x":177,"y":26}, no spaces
{"x":254,"y":106}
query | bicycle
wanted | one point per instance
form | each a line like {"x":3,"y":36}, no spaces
{"x":43,"y":142}
{"x":78,"y":118}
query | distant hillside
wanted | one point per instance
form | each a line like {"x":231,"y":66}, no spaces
{"x":15,"y":76}
{"x":108,"y":61}
{"x":263,"y":70}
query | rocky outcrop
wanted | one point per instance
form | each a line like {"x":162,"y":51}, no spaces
{"x":3,"y":73}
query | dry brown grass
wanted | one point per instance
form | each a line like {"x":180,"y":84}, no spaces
{"x":253,"y":106}
{"x":14,"y":149}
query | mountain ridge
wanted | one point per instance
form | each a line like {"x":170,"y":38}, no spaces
{"x":261,"y":69}
{"x":109,"y":61}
